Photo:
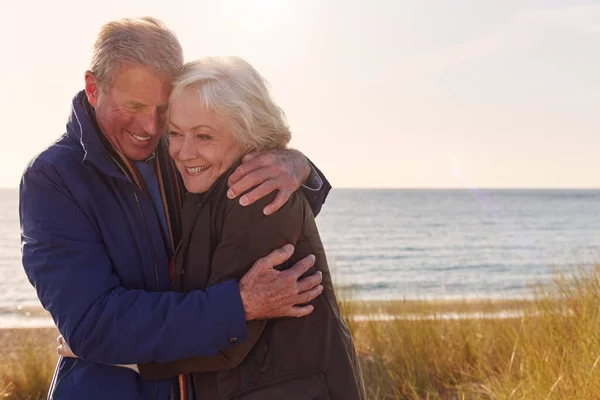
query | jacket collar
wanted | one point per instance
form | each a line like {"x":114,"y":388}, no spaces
{"x":83,"y":128}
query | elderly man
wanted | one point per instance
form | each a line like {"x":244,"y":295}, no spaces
{"x":100,"y":220}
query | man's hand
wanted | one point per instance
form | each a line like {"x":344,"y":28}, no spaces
{"x":284,"y":170}
{"x":269,"y":293}
{"x":63,"y":348}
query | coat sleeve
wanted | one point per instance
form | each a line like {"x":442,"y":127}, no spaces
{"x":65,"y":259}
{"x":247,"y":236}
{"x":316,"y":189}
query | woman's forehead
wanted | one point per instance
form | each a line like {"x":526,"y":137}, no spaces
{"x":191,"y":115}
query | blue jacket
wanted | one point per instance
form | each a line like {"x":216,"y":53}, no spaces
{"x":92,"y":247}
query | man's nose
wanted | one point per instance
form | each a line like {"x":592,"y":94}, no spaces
{"x":149,"y":123}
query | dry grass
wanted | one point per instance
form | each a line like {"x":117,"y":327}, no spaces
{"x":551,"y":352}
{"x":27,"y":359}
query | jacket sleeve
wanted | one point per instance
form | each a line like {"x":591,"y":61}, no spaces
{"x":316,"y":189}
{"x":66,"y":261}
{"x":247,"y":236}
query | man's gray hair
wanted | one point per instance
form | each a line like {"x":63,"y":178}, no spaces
{"x":234,"y":90}
{"x":146,"y":42}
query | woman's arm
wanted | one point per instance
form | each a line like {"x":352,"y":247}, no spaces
{"x":247,"y":235}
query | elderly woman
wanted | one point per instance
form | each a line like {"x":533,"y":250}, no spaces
{"x":220,"y":110}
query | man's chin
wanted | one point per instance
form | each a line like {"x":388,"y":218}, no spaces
{"x":139,"y":154}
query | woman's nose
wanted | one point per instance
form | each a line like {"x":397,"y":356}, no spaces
{"x":188,"y":150}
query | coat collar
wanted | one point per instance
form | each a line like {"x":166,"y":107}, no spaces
{"x":83,"y":128}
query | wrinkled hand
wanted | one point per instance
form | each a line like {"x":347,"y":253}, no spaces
{"x":269,"y":293}
{"x":63,"y":348}
{"x":281,"y":169}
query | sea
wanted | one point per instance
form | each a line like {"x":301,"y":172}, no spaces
{"x":406,"y":244}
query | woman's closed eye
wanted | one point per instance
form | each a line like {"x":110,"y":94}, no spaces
{"x":200,"y":136}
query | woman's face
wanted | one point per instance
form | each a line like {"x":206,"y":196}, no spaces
{"x":201,"y":145}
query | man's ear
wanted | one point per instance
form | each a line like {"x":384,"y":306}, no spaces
{"x":92,"y":88}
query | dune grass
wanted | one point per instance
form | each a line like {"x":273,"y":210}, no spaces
{"x":552,"y":351}
{"x":27,"y":360}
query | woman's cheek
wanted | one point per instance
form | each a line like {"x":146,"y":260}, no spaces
{"x":174,"y":147}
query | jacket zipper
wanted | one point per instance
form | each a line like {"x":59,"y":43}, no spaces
{"x":174,"y":261}
{"x":200,"y":205}
{"x":58,"y":381}
{"x":137,"y":200}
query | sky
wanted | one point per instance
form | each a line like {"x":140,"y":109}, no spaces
{"x":378,"y":93}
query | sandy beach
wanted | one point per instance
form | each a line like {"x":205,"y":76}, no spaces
{"x":14,"y":340}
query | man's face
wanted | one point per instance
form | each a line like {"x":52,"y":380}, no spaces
{"x":131,"y":109}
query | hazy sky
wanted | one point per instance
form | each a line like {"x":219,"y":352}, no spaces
{"x":377,"y":93}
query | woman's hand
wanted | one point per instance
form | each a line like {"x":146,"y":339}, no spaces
{"x":283,"y":170}
{"x":63,"y":348}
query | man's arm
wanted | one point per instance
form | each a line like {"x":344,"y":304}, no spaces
{"x":65,"y":259}
{"x":283,"y":170}
{"x":316,"y":188}
{"x":262,"y":281}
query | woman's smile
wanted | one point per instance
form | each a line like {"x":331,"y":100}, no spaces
{"x":196,"y":170}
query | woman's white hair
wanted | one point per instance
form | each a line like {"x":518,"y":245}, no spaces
{"x":234,"y":90}
{"x":143,"y":41}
